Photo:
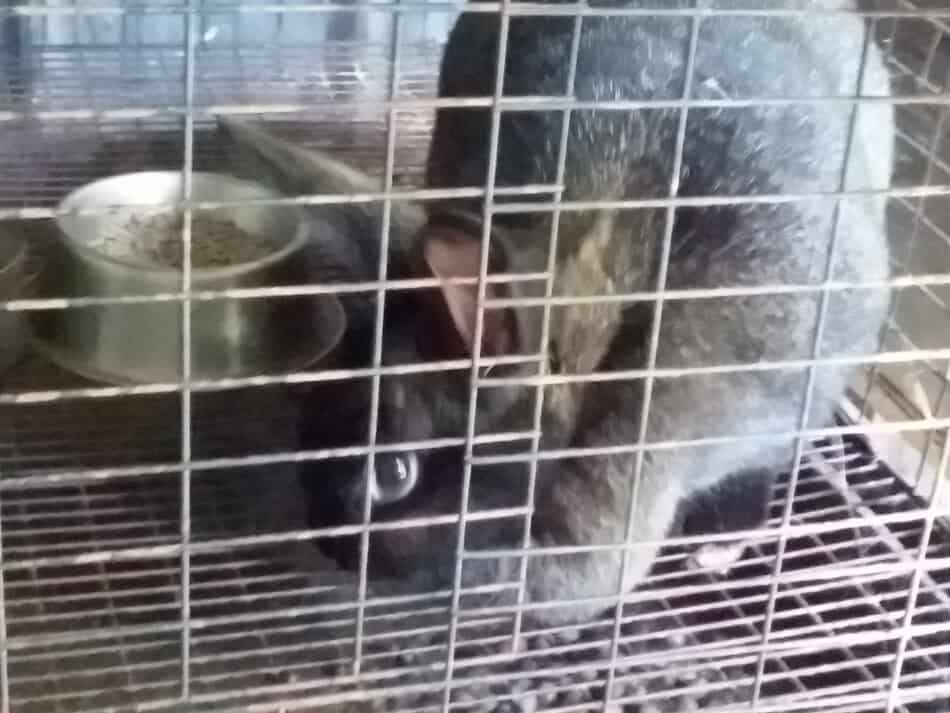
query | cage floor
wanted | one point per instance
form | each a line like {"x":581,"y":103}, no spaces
{"x":93,"y":592}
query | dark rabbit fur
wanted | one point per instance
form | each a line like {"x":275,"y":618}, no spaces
{"x":622,"y":154}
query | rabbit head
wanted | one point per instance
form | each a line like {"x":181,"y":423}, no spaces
{"x":426,"y":326}
{"x":421,"y":326}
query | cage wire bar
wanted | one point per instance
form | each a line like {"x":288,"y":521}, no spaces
{"x":844,"y":544}
{"x":396,"y":43}
{"x":546,"y":322}
{"x":487,"y":217}
{"x":191,"y":23}
{"x":810,"y":383}
{"x":665,"y":249}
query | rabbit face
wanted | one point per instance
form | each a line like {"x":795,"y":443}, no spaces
{"x":414,"y":485}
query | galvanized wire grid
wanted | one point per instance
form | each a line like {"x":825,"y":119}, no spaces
{"x":142,"y":569}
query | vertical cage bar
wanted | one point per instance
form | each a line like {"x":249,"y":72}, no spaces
{"x":191,"y":37}
{"x":124,"y":63}
{"x":76,"y":18}
{"x":550,"y":268}
{"x":812,"y":370}
{"x":44,"y":27}
{"x":237,"y":41}
{"x":639,"y":458}
{"x":380,"y":319}
{"x":14,"y":41}
{"x":4,"y":653}
{"x":88,"y":88}
{"x":917,"y":574}
{"x":504,"y":19}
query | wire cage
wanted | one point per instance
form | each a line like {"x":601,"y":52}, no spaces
{"x":156,"y":555}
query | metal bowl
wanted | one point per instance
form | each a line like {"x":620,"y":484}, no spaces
{"x":141,"y":342}
{"x":13,"y":280}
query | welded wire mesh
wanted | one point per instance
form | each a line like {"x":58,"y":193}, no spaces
{"x":155,"y":555}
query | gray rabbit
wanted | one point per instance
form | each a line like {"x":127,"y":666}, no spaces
{"x":732,"y":146}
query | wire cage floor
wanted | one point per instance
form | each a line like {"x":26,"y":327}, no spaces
{"x":92,"y":587}
{"x":93,"y":599}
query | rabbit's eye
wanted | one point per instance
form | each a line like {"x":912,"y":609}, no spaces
{"x":394,"y":477}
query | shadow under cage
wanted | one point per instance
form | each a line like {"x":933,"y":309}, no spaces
{"x":156,"y":551}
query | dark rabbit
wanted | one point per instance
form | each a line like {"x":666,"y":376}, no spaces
{"x":782,"y":148}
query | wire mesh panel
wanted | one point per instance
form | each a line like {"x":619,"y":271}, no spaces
{"x":164,"y":516}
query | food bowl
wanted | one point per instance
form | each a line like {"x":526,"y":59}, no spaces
{"x":13,"y":280}
{"x":131,"y":252}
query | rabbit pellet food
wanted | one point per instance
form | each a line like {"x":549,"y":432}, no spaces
{"x":157,"y":240}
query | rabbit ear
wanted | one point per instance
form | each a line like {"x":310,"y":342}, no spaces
{"x":290,"y":168}
{"x":295,"y":170}
{"x":450,"y":252}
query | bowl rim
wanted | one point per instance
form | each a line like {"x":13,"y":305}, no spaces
{"x":64,"y":209}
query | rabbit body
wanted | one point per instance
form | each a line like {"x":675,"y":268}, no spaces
{"x":724,"y":416}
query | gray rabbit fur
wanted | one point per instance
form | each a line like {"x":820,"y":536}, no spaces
{"x":748,"y":149}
